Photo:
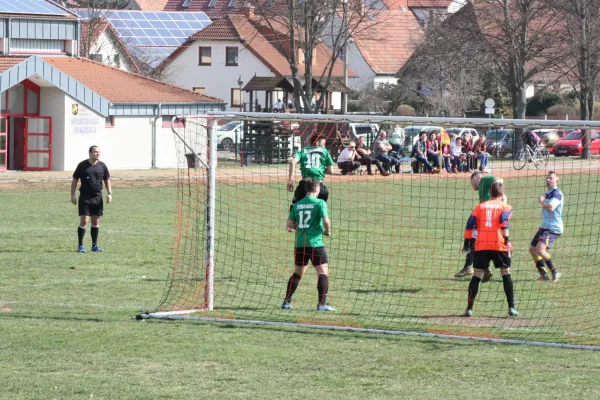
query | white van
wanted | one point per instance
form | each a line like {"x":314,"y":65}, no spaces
{"x":356,"y":130}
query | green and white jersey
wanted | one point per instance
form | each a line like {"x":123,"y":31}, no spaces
{"x":485,"y":188}
{"x":314,"y":162}
{"x":308,"y":213}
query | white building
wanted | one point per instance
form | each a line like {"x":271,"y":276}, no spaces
{"x":99,"y":42}
{"x":379,"y":49}
{"x":223,"y":58}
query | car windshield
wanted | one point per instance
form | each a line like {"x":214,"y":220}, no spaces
{"x":574,"y":136}
{"x":363,"y":129}
{"x":495,"y":135}
{"x":229,"y":126}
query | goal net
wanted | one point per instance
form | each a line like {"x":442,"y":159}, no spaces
{"x":396,"y":240}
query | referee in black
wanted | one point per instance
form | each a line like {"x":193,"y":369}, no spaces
{"x":91,"y":172}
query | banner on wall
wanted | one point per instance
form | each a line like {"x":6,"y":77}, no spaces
{"x":84,"y":121}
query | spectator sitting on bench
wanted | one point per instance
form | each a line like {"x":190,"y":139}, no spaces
{"x":365,"y":158}
{"x":467,"y":149}
{"x":346,"y":160}
{"x":419,"y":150}
{"x":397,"y":141}
{"x":480,"y":150}
{"x":381,"y":146}
{"x":456,"y":153}
{"x":433,"y":150}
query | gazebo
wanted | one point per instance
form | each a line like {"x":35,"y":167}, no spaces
{"x":335,"y":85}
{"x":268,"y":85}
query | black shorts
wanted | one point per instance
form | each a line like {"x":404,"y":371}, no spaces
{"x":91,"y":205}
{"x":300,"y":192}
{"x":316,"y":255}
{"x":545,"y":236}
{"x":482,"y":259}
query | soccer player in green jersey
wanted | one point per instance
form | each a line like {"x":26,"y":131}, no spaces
{"x":309,"y":219}
{"x":483,"y":185}
{"x":315,"y":161}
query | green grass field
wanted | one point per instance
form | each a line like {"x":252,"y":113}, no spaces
{"x":67,"y":319}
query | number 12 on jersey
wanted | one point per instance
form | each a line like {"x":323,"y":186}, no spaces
{"x":304,"y":219}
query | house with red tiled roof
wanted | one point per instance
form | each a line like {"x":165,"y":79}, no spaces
{"x":63,"y":105}
{"x":55,"y":105}
{"x":99,"y":42}
{"x":228,"y":57}
{"x":382,"y":44}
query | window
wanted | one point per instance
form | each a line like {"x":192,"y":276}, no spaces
{"x":231,"y":56}
{"x":212,"y":3}
{"x":178,"y":123}
{"x":232,"y":4}
{"x":109,"y":122}
{"x":16,"y":99}
{"x":186,"y":4}
{"x":96,"y":57}
{"x":199,"y":90}
{"x":205,"y":57}
{"x":236,"y":97}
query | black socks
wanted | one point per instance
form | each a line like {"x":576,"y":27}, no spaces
{"x":95,"y":230}
{"x":80,"y":235}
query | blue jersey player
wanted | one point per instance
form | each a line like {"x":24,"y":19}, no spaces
{"x":551,"y":229}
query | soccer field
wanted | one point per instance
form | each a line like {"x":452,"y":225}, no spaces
{"x":67,"y":319}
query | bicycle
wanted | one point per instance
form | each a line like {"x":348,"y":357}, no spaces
{"x":538,"y":156}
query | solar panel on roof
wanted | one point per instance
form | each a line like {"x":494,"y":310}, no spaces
{"x":154,"y":34}
{"x":30,"y":7}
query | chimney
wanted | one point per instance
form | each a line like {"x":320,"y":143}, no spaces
{"x":248,"y":11}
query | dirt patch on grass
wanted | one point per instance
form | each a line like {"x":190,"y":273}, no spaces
{"x":491,"y":322}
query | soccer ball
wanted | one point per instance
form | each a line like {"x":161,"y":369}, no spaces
{"x":550,"y":139}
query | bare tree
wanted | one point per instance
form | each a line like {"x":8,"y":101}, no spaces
{"x":581,"y":31}
{"x":449,"y":82}
{"x":514,"y":41}
{"x":299,"y":29}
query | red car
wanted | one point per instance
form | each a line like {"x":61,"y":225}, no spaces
{"x":570,"y":145}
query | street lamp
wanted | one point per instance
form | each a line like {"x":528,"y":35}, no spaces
{"x":240,"y":83}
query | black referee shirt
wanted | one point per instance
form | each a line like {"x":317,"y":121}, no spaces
{"x":91,"y":177}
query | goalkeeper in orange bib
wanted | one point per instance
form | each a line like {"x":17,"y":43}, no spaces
{"x":481,"y":184}
{"x":490,"y":218}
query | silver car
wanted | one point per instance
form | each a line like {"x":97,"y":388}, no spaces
{"x":500,"y":142}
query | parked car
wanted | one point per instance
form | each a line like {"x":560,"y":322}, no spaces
{"x":226,"y":134}
{"x":570,"y":145}
{"x":461,"y":132}
{"x":500,"y":142}
{"x":356,"y":130}
{"x":412,"y":133}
